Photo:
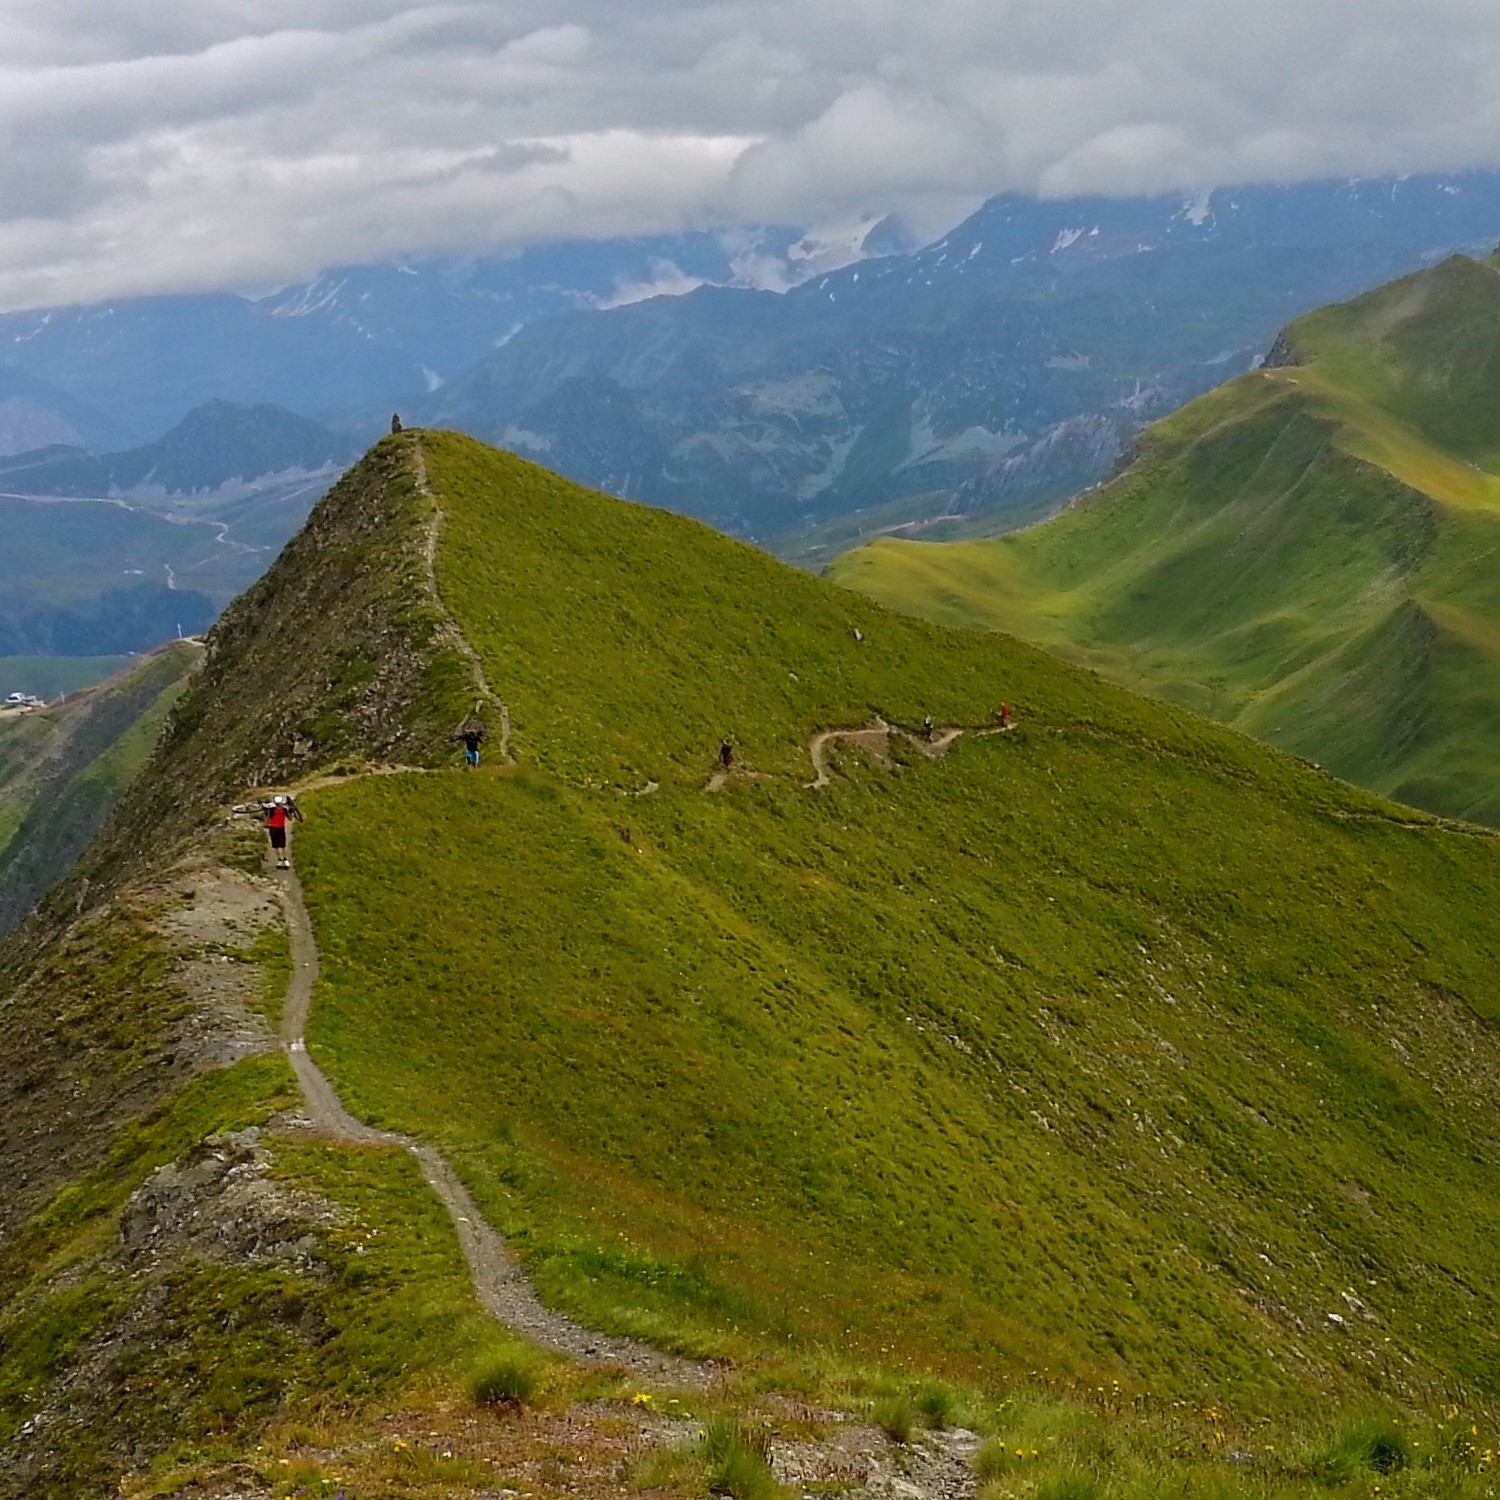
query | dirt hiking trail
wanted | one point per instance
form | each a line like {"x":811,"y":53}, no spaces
{"x":499,"y":1283}
{"x":855,"y":1456}
{"x":877,"y":740}
{"x":453,"y":631}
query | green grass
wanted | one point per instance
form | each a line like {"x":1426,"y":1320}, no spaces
{"x":1304,"y":552}
{"x":156,"y":1364}
{"x":63,"y":769}
{"x":628,"y":641}
{"x":505,"y":1380}
{"x":1016,"y":1060}
{"x":894,"y":1017}
{"x":736,"y":1457}
{"x":896,"y":1417}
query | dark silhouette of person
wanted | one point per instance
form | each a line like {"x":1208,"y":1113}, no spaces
{"x":726,"y":755}
{"x":395,"y":421}
{"x":473,"y":737}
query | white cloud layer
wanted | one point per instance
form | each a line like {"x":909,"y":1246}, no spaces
{"x":230,"y":144}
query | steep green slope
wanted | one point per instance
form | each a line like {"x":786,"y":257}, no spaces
{"x":1305,"y":552}
{"x":1090,"y":1046}
{"x":62,"y":770}
{"x":1116,"y":1048}
{"x":175,"y":1293}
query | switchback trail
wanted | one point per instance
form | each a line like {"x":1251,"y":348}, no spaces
{"x":877,"y":740}
{"x":499,"y":1283}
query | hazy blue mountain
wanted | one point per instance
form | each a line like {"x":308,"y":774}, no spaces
{"x":34,"y":414}
{"x":115,"y":552}
{"x":352,"y":340}
{"x":976,"y":381}
{"x":213,"y":445}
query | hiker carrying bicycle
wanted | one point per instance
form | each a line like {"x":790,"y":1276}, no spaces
{"x":277,"y":816}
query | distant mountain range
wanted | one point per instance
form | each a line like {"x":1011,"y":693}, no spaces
{"x":1306,"y":552}
{"x":354,"y":340}
{"x":962,"y":389}
{"x":115,"y":552}
{"x":972,"y":384}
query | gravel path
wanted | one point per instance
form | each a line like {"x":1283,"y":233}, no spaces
{"x":456,"y":637}
{"x":499,"y":1283}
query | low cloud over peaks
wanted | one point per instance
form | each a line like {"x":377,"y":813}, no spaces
{"x":222,"y":146}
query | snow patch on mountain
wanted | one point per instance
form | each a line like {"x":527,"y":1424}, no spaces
{"x":1198,"y":210}
{"x":1066,"y":238}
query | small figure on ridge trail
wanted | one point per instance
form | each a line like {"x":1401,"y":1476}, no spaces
{"x":473,"y":736}
{"x":395,"y":421}
{"x":726,"y":755}
{"x":278,"y":814}
{"x":1005,"y":716}
{"x":927,"y":726}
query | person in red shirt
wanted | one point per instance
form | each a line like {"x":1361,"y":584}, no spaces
{"x":278,"y":815}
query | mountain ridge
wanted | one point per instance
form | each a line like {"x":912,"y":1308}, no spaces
{"x":1300,"y":552}
{"x":213,"y":445}
{"x":1110,"y":1054}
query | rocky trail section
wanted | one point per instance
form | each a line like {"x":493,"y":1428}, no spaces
{"x":455,"y":635}
{"x":499,"y":1283}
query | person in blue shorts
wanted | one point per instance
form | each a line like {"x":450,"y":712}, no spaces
{"x":473,"y":736}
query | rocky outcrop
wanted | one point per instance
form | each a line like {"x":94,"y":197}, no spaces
{"x":221,"y":1202}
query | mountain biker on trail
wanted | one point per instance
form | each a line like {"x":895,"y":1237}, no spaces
{"x":473,"y":736}
{"x":278,"y":815}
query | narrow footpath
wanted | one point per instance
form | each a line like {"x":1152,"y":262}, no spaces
{"x":877,"y":740}
{"x":499,"y":1282}
{"x":854,"y":1456}
{"x":455,"y":634}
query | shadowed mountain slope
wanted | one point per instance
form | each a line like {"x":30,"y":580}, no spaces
{"x":1113,"y":1048}
{"x":1306,"y":552}
{"x":213,"y":445}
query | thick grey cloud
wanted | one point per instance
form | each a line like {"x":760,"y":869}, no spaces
{"x":231,"y":144}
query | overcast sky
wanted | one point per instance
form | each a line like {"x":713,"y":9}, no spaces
{"x":242,"y":144}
